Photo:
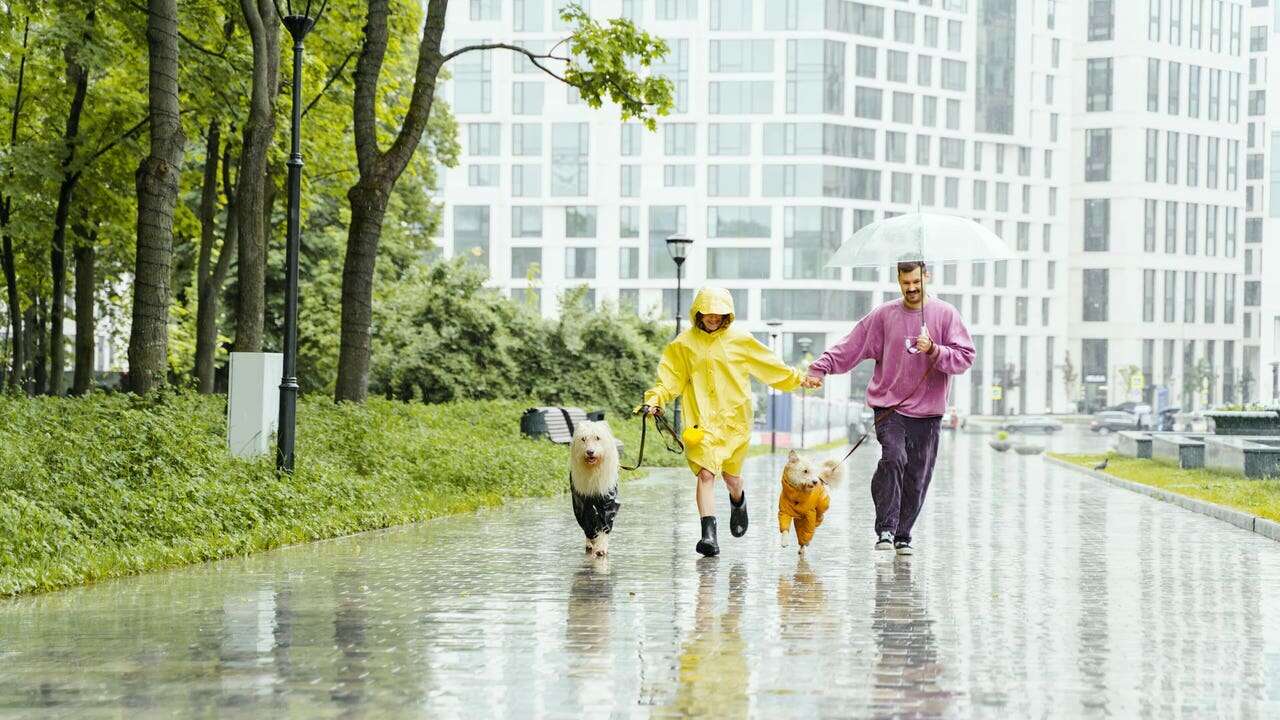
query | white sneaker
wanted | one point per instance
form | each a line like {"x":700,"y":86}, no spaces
{"x":885,"y":542}
{"x":904,"y":548}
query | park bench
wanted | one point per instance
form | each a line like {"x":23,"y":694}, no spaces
{"x":557,"y":423}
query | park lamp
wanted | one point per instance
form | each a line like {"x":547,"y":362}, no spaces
{"x":678,"y":247}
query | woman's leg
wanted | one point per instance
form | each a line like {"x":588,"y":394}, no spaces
{"x":734,"y":483}
{"x":706,"y":492}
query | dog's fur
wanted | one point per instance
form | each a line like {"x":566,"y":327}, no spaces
{"x":804,"y":498}
{"x":593,"y":472}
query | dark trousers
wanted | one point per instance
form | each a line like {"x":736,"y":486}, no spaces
{"x":908,"y":447}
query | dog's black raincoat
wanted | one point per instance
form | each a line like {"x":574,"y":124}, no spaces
{"x":595,"y":513}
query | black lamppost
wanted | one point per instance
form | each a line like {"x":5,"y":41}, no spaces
{"x":678,"y":247}
{"x":773,"y":394}
{"x":298,"y":25}
{"x":805,"y":343}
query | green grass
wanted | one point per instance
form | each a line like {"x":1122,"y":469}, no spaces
{"x":1256,"y":497}
{"x":112,"y":485}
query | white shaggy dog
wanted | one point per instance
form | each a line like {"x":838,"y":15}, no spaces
{"x":593,"y":483}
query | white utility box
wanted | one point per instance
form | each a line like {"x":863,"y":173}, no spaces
{"x":253,"y":402}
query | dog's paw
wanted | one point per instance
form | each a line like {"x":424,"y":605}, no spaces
{"x":802,"y":547}
{"x":601,"y":553}
{"x":590,"y":548}
{"x":783,"y":539}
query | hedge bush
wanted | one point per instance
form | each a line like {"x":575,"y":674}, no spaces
{"x":111,"y":485}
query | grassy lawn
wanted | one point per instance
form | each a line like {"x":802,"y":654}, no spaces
{"x":756,"y":450}
{"x":113,"y":485}
{"x":1256,"y":497}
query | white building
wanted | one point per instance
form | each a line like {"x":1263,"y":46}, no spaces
{"x":796,"y":122}
{"x":1157,"y":198}
{"x":1262,"y":269}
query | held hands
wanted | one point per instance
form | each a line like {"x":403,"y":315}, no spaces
{"x":811,"y":382}
{"x":650,"y":410}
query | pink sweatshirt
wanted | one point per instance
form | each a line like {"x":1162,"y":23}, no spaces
{"x":882,"y":336}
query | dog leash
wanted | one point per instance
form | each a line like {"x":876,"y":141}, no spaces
{"x":661,"y":426}
{"x":884,"y":412}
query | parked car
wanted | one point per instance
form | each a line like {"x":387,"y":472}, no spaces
{"x":1032,"y":423}
{"x":1109,"y":421}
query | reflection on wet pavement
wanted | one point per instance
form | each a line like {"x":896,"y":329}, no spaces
{"x":1035,"y":592}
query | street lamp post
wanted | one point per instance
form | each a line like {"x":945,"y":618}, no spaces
{"x":805,"y":343}
{"x":298,"y":25}
{"x":773,"y":394}
{"x":678,"y":248}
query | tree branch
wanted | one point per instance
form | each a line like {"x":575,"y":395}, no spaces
{"x":533,"y":57}
{"x":332,"y":78}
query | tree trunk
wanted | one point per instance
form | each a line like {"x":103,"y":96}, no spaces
{"x":264,"y":29}
{"x":378,"y":174}
{"x":210,"y":274}
{"x":30,"y":333}
{"x":86,"y":255}
{"x":8,"y":263}
{"x":40,"y":353}
{"x":157,"y":186}
{"x":368,"y":208}
{"x":78,"y":79}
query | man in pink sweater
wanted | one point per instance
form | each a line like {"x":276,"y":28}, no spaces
{"x":917,"y":347}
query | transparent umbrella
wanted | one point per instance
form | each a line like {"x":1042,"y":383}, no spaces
{"x":927,"y":237}
{"x":930,"y":237}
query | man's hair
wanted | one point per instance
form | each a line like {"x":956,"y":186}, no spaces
{"x":906,"y":267}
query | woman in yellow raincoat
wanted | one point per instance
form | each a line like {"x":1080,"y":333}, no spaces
{"x":709,"y":366}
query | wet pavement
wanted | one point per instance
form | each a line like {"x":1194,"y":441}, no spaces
{"x":1036,"y":592}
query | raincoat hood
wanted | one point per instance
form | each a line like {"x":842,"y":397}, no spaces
{"x":712,"y":301}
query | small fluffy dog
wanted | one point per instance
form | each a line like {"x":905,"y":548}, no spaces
{"x":804,"y":498}
{"x":593,"y":483}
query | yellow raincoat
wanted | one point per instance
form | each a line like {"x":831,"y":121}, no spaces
{"x":711,"y":372}
{"x":806,"y":507}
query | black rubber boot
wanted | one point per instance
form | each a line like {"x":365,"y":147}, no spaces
{"x":708,"y":545}
{"x":738,"y":515}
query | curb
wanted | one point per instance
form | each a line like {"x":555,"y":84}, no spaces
{"x":1262,"y":526}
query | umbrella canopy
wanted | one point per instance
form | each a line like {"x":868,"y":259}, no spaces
{"x":919,"y":236}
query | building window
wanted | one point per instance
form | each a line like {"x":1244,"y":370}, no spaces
{"x":1097,"y":225}
{"x":729,"y":139}
{"x":679,"y":138}
{"x":1171,"y":158}
{"x":1189,"y":296}
{"x":526,"y":98}
{"x":579,"y":263}
{"x":630,"y":181}
{"x":815,"y":77}
{"x":1099,"y":80}
{"x":1193,"y":91}
{"x":1153,"y":155}
{"x":1210,"y":297}
{"x":526,"y":180}
{"x":729,"y":180}
{"x":526,"y":263}
{"x":676,"y":9}
{"x":738,"y":222}
{"x":526,"y":221}
{"x":1153,"y":20}
{"x":580,"y":221}
{"x":1193,"y":224}
{"x":810,"y":236}
{"x":737,"y":97}
{"x":1098,"y":155}
{"x":1101,"y":19}
{"x":1171,"y":226}
{"x":1148,"y":295}
{"x":738,"y":263}
{"x":1095,"y":294}
{"x":664,"y":221}
{"x":731,"y":14}
{"x":865,"y":61}
{"x":1153,"y":85}
{"x":1175,"y":86}
{"x":628,"y":221}
{"x":677,"y":175}
{"x":1193,"y":160}
{"x":954,"y":73}
{"x":1149,"y":226}
{"x":1170,"y":296}
{"x":471,"y":233}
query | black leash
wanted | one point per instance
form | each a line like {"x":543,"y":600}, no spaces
{"x":885,"y":412}
{"x":664,"y":430}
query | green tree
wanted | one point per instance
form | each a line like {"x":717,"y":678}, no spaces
{"x":601,"y":71}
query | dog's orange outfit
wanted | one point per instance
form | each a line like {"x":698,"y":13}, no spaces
{"x":805,"y":507}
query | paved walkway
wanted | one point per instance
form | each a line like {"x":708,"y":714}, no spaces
{"x":1037,"y":592}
